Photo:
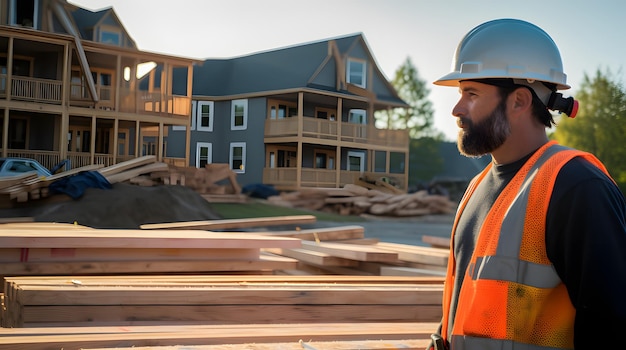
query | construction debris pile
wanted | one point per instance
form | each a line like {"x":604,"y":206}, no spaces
{"x":354,"y":199}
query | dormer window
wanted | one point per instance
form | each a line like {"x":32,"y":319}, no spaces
{"x":112,"y":38}
{"x":24,"y":13}
{"x":356,"y":72}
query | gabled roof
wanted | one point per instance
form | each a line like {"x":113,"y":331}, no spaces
{"x":85,"y":20}
{"x":292,"y":67}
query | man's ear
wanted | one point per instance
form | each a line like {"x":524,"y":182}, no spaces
{"x":522,"y":99}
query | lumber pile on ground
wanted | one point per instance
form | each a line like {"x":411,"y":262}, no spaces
{"x":29,"y":186}
{"x":327,"y":336}
{"x":74,"y":287}
{"x":353,"y":199}
{"x":217,"y":300}
{"x":64,"y":249}
{"x":142,"y":171}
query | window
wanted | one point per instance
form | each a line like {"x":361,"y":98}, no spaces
{"x":205,"y":116}
{"x":112,"y":38}
{"x":325,"y":113}
{"x":24,"y":13}
{"x":237,"y":158}
{"x":239,"y":115}
{"x":396,"y":162}
{"x":324,"y":159}
{"x":204,"y":154}
{"x":357,"y":116}
{"x":356,"y":72}
{"x":193,"y":119}
{"x":281,"y":109}
{"x":356,"y":161}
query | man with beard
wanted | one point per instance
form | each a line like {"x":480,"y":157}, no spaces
{"x":538,"y":246}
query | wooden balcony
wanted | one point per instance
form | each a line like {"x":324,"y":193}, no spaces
{"x":141,"y":102}
{"x":327,"y":129}
{"x":286,"y":178}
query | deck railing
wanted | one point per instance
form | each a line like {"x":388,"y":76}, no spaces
{"x":326,"y":129}
{"x":32,"y":89}
{"x":286,"y":178}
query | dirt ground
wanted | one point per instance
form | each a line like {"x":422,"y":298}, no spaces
{"x":123,"y":206}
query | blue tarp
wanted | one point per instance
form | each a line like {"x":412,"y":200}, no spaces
{"x":75,"y":185}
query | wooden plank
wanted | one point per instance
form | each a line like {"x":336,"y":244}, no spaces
{"x":437,"y":242}
{"x":320,"y":234}
{"x":316,"y":258}
{"x":234,"y":223}
{"x":76,"y":338}
{"x":264,"y":262}
{"x":352,"y":251}
{"x":126,"y":165}
{"x":424,"y":255}
{"x":146,"y":315}
{"x":71,"y":293}
{"x":111,"y":238}
{"x":129,"y":174}
{"x":239,"y":280}
{"x":404,"y":344}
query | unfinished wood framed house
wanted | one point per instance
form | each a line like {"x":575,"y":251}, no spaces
{"x":296,"y":117}
{"x":74,"y":86}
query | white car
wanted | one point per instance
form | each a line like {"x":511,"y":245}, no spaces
{"x":13,"y":166}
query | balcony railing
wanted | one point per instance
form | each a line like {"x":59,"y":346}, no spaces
{"x":32,"y":89}
{"x":327,"y":129}
{"x":286,"y":178}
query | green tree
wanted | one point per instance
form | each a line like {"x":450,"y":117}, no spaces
{"x":600,"y":125}
{"x":418,"y":118}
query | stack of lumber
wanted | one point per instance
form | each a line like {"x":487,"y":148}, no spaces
{"x":327,"y":336}
{"x":340,"y":250}
{"x":159,"y":300}
{"x":75,"y":287}
{"x":64,"y":249}
{"x":353,"y":199}
{"x":143,"y":171}
{"x":29,"y":186}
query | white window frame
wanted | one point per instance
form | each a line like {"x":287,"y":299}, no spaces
{"x":233,"y":105}
{"x":357,"y":112}
{"x":201,"y":145}
{"x":193,"y":120}
{"x":198,"y":118}
{"x":233,"y":145}
{"x":363,"y":72}
{"x":359,"y":155}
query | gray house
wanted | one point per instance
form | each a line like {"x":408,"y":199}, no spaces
{"x":296,"y":117}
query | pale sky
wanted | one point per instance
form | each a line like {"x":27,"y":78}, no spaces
{"x":590,"y":34}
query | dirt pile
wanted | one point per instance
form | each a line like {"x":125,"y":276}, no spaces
{"x":123,"y":206}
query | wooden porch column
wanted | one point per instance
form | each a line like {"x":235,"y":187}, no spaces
{"x":65,"y":116}
{"x":92,"y":146}
{"x":137,"y":141}
{"x":300,"y":126}
{"x":116,"y":130}
{"x":189,"y":121}
{"x":5,"y":124}
{"x":338,"y":148}
{"x":159,"y":152}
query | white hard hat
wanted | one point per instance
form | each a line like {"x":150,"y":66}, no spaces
{"x":507,"y":48}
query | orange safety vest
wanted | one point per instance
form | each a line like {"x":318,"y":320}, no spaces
{"x":511,"y":296}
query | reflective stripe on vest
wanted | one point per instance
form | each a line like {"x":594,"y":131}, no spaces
{"x":511,"y":295}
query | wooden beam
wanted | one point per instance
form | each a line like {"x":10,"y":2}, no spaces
{"x":234,"y":223}
{"x":76,"y":338}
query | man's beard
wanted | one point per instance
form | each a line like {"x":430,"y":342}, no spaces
{"x":484,"y":137}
